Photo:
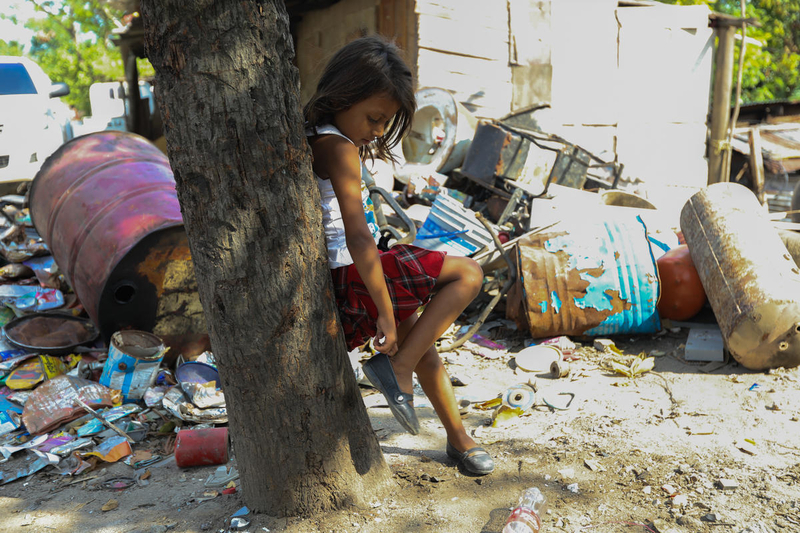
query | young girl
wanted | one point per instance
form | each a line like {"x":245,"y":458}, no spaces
{"x":363,"y":106}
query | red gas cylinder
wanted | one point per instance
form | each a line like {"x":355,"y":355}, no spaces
{"x":200,"y":447}
{"x":682,"y":294}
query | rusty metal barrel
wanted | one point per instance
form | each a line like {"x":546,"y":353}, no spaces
{"x":750,"y":278}
{"x":106,"y":205}
{"x":596,"y":278}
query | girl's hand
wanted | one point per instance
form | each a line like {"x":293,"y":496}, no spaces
{"x":386,"y":336}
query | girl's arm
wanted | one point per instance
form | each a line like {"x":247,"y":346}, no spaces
{"x":338,"y":159}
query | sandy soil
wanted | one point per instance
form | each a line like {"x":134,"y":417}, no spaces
{"x":644,"y":454}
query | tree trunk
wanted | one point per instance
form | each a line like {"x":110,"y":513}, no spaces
{"x":229,"y":96}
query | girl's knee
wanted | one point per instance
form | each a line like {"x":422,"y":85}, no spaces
{"x":429,"y":364}
{"x":464,"y":273}
{"x":473,"y":275}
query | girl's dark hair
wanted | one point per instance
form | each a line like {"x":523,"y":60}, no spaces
{"x":363,"y":68}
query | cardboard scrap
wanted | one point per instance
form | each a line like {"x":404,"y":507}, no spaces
{"x":33,"y":372}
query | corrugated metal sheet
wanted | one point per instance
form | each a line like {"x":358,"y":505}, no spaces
{"x":780,"y":146}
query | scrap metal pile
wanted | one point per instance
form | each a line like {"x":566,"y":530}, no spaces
{"x":580,"y":256}
{"x":104,"y":354}
{"x":105,"y":357}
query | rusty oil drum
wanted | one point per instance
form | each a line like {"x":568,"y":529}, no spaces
{"x":750,"y":278}
{"x":106,"y":205}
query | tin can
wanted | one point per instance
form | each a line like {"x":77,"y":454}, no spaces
{"x":133,"y":360}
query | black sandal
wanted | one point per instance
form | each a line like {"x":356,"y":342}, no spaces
{"x":476,"y":461}
{"x":381,"y":374}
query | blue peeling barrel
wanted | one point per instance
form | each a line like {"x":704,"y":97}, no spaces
{"x":590,"y":279}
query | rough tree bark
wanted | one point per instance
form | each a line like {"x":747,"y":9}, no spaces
{"x":229,"y":96}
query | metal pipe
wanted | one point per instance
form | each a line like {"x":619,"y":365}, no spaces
{"x":721,"y":104}
{"x":512,"y":276}
{"x":410,"y":227}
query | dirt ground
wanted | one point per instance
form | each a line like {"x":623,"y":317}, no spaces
{"x":644,"y":454}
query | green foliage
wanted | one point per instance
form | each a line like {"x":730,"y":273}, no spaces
{"x":771,"y":72}
{"x":145,"y":69}
{"x":72,"y":43}
{"x":780,"y":33}
{"x":11,"y":48}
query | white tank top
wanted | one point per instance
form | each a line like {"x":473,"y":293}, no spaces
{"x":338,"y":254}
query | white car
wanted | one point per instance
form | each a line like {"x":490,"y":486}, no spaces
{"x":29,"y":129}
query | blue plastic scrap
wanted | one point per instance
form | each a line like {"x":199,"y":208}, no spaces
{"x":244,"y":511}
{"x":555,"y":301}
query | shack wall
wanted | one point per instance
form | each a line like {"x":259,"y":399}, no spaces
{"x":322,"y":32}
{"x":463,"y":47}
{"x":665,"y":62}
{"x":626,"y":82}
{"x":633,"y":82}
{"x":530,"y":52}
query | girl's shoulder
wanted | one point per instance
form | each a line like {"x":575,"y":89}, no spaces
{"x":325,"y":143}
{"x":334,"y":155}
{"x":325,"y":129}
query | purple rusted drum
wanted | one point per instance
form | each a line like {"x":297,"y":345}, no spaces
{"x":106,"y":205}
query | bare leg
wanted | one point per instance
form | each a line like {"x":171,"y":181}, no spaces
{"x":457,"y":285}
{"x":436,"y":384}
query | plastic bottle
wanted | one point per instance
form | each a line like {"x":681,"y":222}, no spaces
{"x":525,"y":517}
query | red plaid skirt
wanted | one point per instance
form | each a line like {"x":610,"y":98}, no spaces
{"x":410,"y":274}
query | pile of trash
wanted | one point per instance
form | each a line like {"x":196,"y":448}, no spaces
{"x":68,"y":403}
{"x":65,"y":416}
{"x":575,"y":248}
{"x":566,"y":253}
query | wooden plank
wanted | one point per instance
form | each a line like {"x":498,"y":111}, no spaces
{"x":493,"y":13}
{"x":487,"y":75}
{"x":756,"y":164}
{"x":387,"y":20}
{"x":463,"y":38}
{"x":395,"y":22}
{"x":665,"y":56}
{"x":584,"y":59}
{"x":530,"y":51}
{"x":643,"y":147}
{"x":483,"y":86}
{"x":463,"y":47}
{"x":322,"y":32}
{"x":787,"y":226}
